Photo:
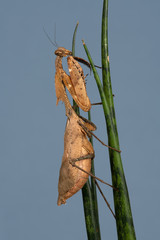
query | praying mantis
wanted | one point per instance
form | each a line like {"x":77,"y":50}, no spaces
{"x":78,"y":151}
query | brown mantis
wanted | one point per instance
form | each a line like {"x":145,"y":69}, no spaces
{"x":78,"y":151}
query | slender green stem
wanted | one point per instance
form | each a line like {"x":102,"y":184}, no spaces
{"x":89,"y":212}
{"x":74,"y":39}
{"x":124,"y":220}
{"x":109,"y":121}
{"x":88,"y":194}
{"x":107,"y":86}
{"x":94,"y":191}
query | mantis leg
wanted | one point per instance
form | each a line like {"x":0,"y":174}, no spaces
{"x":89,"y":133}
{"x":73,"y":161}
{"x":88,"y":156}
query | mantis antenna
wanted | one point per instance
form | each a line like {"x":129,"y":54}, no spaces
{"x":53,"y":43}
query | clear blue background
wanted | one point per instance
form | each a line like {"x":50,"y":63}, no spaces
{"x":32,"y":127}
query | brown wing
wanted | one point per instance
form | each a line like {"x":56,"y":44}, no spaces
{"x":78,"y":84}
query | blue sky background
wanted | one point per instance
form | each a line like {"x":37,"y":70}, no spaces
{"x":32,"y":127}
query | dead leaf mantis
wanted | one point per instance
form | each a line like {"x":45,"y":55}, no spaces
{"x":78,"y":151}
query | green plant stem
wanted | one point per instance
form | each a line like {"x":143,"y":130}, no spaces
{"x":106,"y":77}
{"x":124,"y":221}
{"x":90,"y":219}
{"x":74,"y":39}
{"x":88,"y":194}
{"x":94,"y":192}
